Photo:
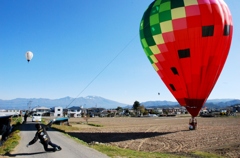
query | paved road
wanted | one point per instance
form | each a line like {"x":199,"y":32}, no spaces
{"x":70,"y":148}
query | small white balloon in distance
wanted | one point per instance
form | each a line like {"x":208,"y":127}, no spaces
{"x":29,"y":55}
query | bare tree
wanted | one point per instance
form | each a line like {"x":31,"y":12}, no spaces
{"x":141,"y":109}
{"x":86,"y":118}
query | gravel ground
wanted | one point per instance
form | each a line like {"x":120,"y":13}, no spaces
{"x":219,"y":135}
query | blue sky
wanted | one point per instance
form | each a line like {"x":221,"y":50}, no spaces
{"x":86,"y":48}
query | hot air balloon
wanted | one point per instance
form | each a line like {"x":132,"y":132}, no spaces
{"x":29,"y":55}
{"x":187,"y":42}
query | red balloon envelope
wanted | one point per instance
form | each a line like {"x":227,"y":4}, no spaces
{"x":187,"y":43}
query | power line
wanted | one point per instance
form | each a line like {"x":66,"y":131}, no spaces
{"x":102,"y":70}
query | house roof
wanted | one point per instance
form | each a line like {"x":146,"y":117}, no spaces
{"x":75,"y":108}
{"x":41,"y":107}
{"x":56,"y":107}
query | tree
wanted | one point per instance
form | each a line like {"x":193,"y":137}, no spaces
{"x":119,"y":108}
{"x":119,"y":111}
{"x":136,"y":105}
{"x":126,"y":112}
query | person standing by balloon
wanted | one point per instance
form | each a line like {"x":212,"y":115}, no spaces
{"x":192,"y":123}
{"x":25,"y":117}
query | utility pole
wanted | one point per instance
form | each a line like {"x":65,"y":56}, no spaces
{"x":29,"y":105}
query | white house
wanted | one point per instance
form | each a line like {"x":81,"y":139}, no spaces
{"x":9,"y":112}
{"x":57,"y":111}
{"x":74,"y":111}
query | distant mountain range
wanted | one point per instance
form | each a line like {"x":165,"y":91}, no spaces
{"x":211,"y":103}
{"x":66,"y":102}
{"x":96,"y":101}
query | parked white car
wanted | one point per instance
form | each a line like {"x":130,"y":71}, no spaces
{"x":36,"y":117}
{"x":152,"y":115}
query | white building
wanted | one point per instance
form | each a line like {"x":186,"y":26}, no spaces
{"x":57,"y":111}
{"x":9,"y":112}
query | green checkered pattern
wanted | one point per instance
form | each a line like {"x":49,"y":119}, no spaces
{"x":157,"y":20}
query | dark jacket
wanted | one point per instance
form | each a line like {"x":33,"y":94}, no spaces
{"x":42,"y":135}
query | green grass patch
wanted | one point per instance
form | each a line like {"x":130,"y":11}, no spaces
{"x":96,"y":125}
{"x":113,"y":151}
{"x":16,"y":120}
{"x":11,"y":143}
{"x":206,"y":155}
{"x":64,"y":128}
{"x":13,"y":138}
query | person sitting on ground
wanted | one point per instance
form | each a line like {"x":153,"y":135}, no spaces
{"x":44,"y":137}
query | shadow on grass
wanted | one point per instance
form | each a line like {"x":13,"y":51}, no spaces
{"x":114,"y":137}
{"x":107,"y":137}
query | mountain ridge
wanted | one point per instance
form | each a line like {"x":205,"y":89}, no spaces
{"x":97,"y":101}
